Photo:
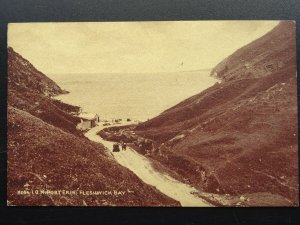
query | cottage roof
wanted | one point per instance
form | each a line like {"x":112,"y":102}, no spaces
{"x":87,"y":116}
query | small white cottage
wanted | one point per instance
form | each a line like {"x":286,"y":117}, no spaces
{"x":87,"y":121}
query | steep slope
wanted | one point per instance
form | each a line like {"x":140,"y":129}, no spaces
{"x":49,"y":110}
{"x":43,"y":157}
{"x":239,"y":136}
{"x":262,"y":57}
{"x":47,"y":153}
{"x":23,"y":76}
{"x":31,"y":91}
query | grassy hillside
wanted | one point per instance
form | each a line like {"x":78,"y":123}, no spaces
{"x":49,"y":110}
{"x":261,"y":57}
{"x":238,"y":136}
{"x":31,"y":90}
{"x":23,"y":76}
{"x":46,"y":152}
{"x":44,"y":157}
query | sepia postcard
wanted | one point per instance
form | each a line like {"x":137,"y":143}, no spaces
{"x":168,"y":113}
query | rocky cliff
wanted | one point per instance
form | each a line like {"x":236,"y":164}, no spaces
{"x":239,"y":136}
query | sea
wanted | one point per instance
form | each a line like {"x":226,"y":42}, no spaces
{"x":137,"y":96}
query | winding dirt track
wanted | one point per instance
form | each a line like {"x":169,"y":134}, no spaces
{"x":142,"y":167}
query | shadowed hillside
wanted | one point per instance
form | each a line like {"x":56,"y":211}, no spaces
{"x":44,"y":157}
{"x":31,"y":91}
{"x":23,"y":76}
{"x":46,"y":152}
{"x":238,"y":136}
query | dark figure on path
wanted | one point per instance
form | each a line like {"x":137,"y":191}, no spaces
{"x":116,"y":148}
{"x":124,"y":146}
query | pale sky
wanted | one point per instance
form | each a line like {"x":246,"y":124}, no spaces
{"x":131,"y":47}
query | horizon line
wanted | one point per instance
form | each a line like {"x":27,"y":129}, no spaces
{"x":183,"y":71}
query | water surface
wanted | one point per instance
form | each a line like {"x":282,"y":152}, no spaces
{"x":136,"y":96}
